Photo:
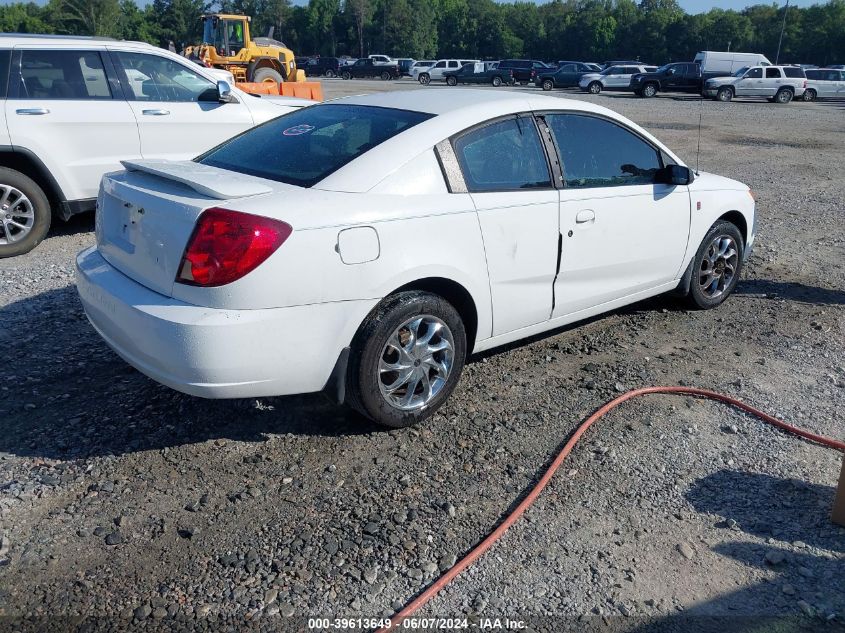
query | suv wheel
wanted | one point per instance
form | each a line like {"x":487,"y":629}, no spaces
{"x":716,"y":266}
{"x":452,"y":81}
{"x":548,"y":84}
{"x":594,"y":88}
{"x":497,"y":81}
{"x":809,"y":95}
{"x":724,"y":94}
{"x":425,"y":79}
{"x":784,"y":95}
{"x":406,"y":359}
{"x":346,"y":74}
{"x":385,"y":76}
{"x":24,"y":213}
{"x":330,"y":73}
{"x":649,"y":90}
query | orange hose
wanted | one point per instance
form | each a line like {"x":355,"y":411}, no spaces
{"x":476,"y":552}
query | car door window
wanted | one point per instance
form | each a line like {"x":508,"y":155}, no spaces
{"x":599,"y":153}
{"x":453,"y":64}
{"x":62,"y":74}
{"x":155,"y":78}
{"x":504,"y":156}
{"x":440,"y":65}
{"x":772,"y":73}
{"x":754,"y":73}
{"x":568,"y":68}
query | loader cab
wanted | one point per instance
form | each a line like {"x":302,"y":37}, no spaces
{"x":227,"y":34}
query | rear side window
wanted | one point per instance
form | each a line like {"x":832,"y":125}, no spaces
{"x":772,"y":73}
{"x":305,"y":146}
{"x":62,"y":74}
{"x":794,"y":72}
{"x":598,"y":153}
{"x":503,"y":156}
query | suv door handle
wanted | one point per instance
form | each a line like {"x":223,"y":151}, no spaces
{"x":585,"y":216}
{"x":156,"y":112}
{"x":32,"y":111}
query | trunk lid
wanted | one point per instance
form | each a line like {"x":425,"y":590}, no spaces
{"x":146,"y":214}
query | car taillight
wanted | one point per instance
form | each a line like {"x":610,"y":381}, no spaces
{"x":226,"y":245}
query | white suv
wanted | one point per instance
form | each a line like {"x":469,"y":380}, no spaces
{"x":780,"y":84}
{"x":73,"y":108}
{"x":435,"y":72}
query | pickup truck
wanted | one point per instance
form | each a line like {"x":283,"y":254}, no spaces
{"x":678,"y":77}
{"x":478,"y":74}
{"x":779,"y":84}
{"x":367,"y":68}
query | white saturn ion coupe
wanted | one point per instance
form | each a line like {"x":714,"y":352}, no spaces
{"x":368,"y":245}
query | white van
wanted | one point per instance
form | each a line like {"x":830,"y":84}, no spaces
{"x":728,"y":63}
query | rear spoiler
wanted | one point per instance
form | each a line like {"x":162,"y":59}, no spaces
{"x":204,"y":179}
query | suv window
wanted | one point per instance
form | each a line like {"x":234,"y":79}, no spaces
{"x":598,"y":153}
{"x":568,"y":68}
{"x":772,"y":73}
{"x":63,"y":74}
{"x":155,"y":78}
{"x":794,"y":72}
{"x":303,"y":147}
{"x":453,"y":64}
{"x":754,"y":73}
{"x":440,"y":65}
{"x":5,"y":60}
{"x":503,"y":156}
{"x":815,"y":74}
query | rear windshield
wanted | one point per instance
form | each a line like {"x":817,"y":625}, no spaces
{"x":793,"y":71}
{"x":305,"y":146}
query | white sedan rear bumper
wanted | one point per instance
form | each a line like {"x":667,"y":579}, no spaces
{"x":216,"y":353}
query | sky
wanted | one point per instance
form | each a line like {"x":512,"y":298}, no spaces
{"x":690,"y":6}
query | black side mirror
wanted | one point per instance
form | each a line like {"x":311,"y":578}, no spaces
{"x":675,"y":175}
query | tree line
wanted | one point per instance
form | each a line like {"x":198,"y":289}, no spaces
{"x":653,"y":31}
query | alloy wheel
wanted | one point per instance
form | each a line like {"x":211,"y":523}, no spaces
{"x":718,"y":266}
{"x":416,"y":362}
{"x":17,"y":215}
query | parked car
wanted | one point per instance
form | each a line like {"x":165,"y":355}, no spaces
{"x":419,"y":65}
{"x":836,"y":66}
{"x":477,"y":74}
{"x":780,"y":84}
{"x":366,"y":67}
{"x":567,"y":75}
{"x":279,"y":262}
{"x":435,"y":72}
{"x":825,"y":83}
{"x":726,"y":63}
{"x":524,"y":70}
{"x":381,"y":60}
{"x":621,"y":62}
{"x":405,"y":64}
{"x":73,"y":107}
{"x":678,"y":77}
{"x":322,"y":67}
{"x":611,"y":78}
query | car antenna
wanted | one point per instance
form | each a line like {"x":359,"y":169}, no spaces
{"x":698,"y":151}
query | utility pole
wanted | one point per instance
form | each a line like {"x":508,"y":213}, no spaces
{"x":782,"y":29}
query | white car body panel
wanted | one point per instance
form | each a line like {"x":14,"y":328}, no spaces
{"x":369,"y":229}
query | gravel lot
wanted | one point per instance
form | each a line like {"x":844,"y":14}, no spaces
{"x":122,"y":499}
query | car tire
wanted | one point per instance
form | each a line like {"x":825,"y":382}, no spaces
{"x":346,"y":74}
{"x":716,"y":266}
{"x":452,"y":81}
{"x":594,"y":87}
{"x":497,"y":81}
{"x":424,"y":79}
{"x":385,"y":76}
{"x":369,"y":383}
{"x":29,"y":208}
{"x":331,"y":74}
{"x":783,"y":96}
{"x":269,"y":75}
{"x":810,"y":95}
{"x":649,"y":90}
{"x":724,"y":94}
{"x":548,"y":84}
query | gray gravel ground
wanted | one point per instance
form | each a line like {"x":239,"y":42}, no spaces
{"x":122,"y":499}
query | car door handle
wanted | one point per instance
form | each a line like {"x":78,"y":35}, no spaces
{"x":585,"y":216}
{"x":156,"y":112}
{"x":32,"y":111}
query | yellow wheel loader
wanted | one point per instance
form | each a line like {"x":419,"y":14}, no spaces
{"x":226,"y":43}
